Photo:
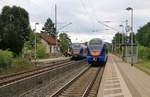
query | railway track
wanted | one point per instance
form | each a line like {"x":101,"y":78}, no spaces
{"x":86,"y":84}
{"x":21,"y":75}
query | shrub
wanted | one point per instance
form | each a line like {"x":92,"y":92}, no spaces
{"x":41,"y":51}
{"x":144,"y":52}
{"x":6,"y":58}
{"x":19,"y":64}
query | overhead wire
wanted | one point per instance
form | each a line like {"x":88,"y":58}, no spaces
{"x":108,"y":26}
{"x":101,"y":22}
{"x":92,"y":15}
{"x":87,"y":11}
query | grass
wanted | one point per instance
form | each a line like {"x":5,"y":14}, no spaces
{"x":18,"y":65}
{"x":144,"y":65}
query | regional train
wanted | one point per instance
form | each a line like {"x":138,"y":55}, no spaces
{"x":96,"y":52}
{"x":78,"y":51}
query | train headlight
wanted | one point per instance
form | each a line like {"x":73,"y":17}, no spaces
{"x":95,"y":53}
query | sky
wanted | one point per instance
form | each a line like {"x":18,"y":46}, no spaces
{"x":84,"y":16}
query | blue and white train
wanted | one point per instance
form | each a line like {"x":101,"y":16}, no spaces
{"x":78,"y":51}
{"x":96,"y":52}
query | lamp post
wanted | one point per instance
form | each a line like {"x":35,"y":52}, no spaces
{"x":122,"y":40}
{"x":35,"y":42}
{"x":131,"y":9}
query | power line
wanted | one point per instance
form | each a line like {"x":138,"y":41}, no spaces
{"x":86,"y":10}
{"x":96,"y":17}
{"x":108,"y":26}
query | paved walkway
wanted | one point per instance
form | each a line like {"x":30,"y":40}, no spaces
{"x":52,"y":59}
{"x":122,"y":80}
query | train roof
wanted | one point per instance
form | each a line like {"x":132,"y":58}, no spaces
{"x":78,"y":45}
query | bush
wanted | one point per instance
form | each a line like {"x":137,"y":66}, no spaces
{"x":6,"y":58}
{"x":41,"y":51}
{"x":144,"y":52}
{"x":21,"y":64}
{"x":18,"y":65}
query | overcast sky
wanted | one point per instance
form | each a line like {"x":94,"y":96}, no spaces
{"x":85,"y":14}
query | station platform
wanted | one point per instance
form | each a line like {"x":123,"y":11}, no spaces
{"x":51,"y":59}
{"x":120,"y":79}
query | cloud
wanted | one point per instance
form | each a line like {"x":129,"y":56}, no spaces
{"x":85,"y":14}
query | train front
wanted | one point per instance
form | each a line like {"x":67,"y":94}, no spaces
{"x":76,"y":51}
{"x":96,"y":52}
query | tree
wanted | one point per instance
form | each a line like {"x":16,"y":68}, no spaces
{"x":143,"y":35}
{"x":49,"y":28}
{"x":117,"y":39}
{"x":65,"y":42}
{"x":14,"y":28}
{"x":30,"y":43}
{"x":29,"y":46}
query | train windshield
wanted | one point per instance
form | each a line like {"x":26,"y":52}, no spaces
{"x":95,"y":42}
{"x":76,"y":46}
{"x":95,"y":47}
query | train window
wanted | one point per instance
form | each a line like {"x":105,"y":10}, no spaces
{"x":76,"y":46}
{"x":95,"y":42}
{"x":95,"y":48}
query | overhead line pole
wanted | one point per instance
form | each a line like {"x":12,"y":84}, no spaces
{"x":56,"y":27}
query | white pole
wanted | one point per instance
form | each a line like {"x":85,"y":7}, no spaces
{"x":132,"y":36}
{"x":56,"y":27}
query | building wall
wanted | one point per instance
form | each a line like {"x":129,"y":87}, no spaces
{"x":51,"y":48}
{"x":55,"y":49}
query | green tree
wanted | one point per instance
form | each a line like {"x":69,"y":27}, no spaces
{"x":29,"y":46}
{"x":6,"y":58}
{"x":65,"y":42}
{"x":31,"y":40}
{"x":49,"y":28}
{"x":14,"y":28}
{"x":143,"y":35}
{"x":117,"y":39}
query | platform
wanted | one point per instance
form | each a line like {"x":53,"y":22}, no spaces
{"x":51,"y":59}
{"x":122,"y":80}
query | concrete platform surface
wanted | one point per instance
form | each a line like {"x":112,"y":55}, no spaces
{"x":122,"y":80}
{"x":51,"y":59}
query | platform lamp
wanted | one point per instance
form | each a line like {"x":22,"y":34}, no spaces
{"x":131,"y":9}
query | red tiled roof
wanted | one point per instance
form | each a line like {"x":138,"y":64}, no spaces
{"x":50,"y":40}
